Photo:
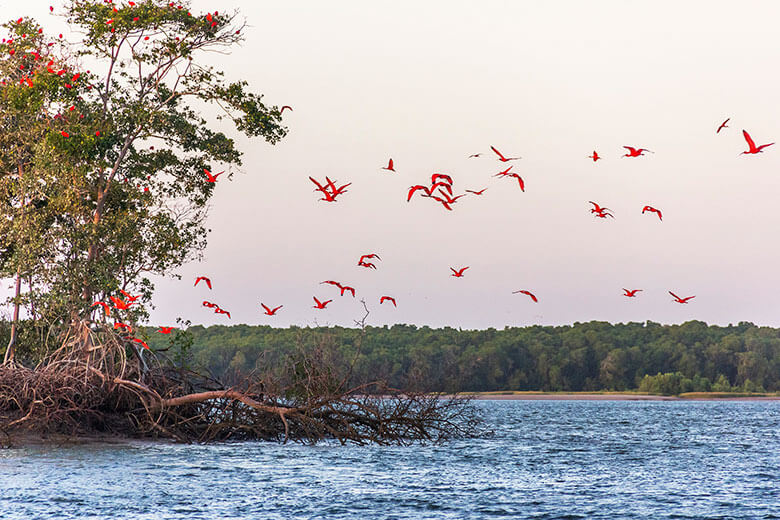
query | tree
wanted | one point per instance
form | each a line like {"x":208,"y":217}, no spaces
{"x":119,"y":149}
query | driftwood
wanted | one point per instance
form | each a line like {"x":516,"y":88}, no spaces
{"x":97,"y":383}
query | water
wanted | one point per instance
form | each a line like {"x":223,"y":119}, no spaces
{"x":547,"y":459}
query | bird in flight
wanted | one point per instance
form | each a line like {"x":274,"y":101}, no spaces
{"x":205,"y":279}
{"x":752,"y":145}
{"x":218,"y":310}
{"x":631,"y":293}
{"x":106,"y":308}
{"x":211,"y":178}
{"x":209,"y":304}
{"x":527,"y":293}
{"x":269,"y":311}
{"x":413,"y":189}
{"x":652,"y":210}
{"x":459,"y":272}
{"x":141,"y":342}
{"x":504,"y":173}
{"x":165,"y":330}
{"x":329,"y":190}
{"x":319,"y":304}
{"x":128,"y":296}
{"x":635,"y":152}
{"x":595,"y":156}
{"x":368,"y":256}
{"x":120,"y":304}
{"x":480,"y":192}
{"x":501,"y":156}
{"x":519,"y":181}
{"x":389,"y":166}
{"x":285,"y":107}
{"x":368,"y":265}
{"x":601,"y":212}
{"x":443,"y":176}
{"x":120,"y":325}
{"x":722,"y":126}
{"x":345,"y":288}
{"x":681,"y":300}
{"x":383,"y":299}
{"x":475,"y":155}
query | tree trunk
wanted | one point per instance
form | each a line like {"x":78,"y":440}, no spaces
{"x":10,"y":350}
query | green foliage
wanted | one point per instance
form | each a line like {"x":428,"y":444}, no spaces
{"x":690,"y":357}
{"x":101,"y":171}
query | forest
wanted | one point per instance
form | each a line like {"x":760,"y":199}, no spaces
{"x":589,"y":356}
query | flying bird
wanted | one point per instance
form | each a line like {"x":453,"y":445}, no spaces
{"x":165,"y":330}
{"x":211,"y":178}
{"x":106,"y":308}
{"x":120,"y":325}
{"x":459,"y":272}
{"x":120,"y":304}
{"x":527,"y":293}
{"x":595,"y":156}
{"x":635,"y":152}
{"x":128,"y":296}
{"x":598,"y":209}
{"x":501,"y":156}
{"x":387,"y":298}
{"x":722,"y":126}
{"x":367,"y":265}
{"x":631,"y":293}
{"x":285,"y":107}
{"x":205,"y":279}
{"x":504,"y":173}
{"x":474,"y":155}
{"x":752,"y":145}
{"x":368,"y":256}
{"x":209,"y":304}
{"x":653,"y":210}
{"x":519,"y":181}
{"x":269,"y":311}
{"x":413,"y":189}
{"x":221,"y":311}
{"x":480,"y":192}
{"x":347,"y":288}
{"x":389,"y":166}
{"x":443,"y":176}
{"x":681,"y":300}
{"x":141,"y":342}
{"x":319,"y":304}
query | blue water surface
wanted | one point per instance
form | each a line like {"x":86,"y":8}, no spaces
{"x":546,"y":460}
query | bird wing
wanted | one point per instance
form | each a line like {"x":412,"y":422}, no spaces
{"x":265,"y":307}
{"x":749,"y":140}
{"x":390,"y":165}
{"x":276,"y":309}
{"x":497,"y":152}
{"x":677,"y":297}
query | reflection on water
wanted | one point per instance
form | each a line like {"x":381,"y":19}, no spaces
{"x":546,"y":459}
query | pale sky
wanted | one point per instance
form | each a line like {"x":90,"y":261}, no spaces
{"x":429,"y":83}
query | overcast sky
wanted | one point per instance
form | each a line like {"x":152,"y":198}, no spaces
{"x":429,"y":83}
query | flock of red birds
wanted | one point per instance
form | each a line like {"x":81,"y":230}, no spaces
{"x":439,"y":190}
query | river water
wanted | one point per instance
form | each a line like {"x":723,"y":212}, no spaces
{"x":546,"y":460}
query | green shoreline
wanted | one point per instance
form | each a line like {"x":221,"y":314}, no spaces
{"x":621,"y":396}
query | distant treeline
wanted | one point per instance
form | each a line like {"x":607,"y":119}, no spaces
{"x":583,"y":357}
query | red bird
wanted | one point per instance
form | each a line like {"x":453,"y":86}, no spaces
{"x":128,"y":296}
{"x":120,"y":325}
{"x":752,"y":145}
{"x":526,"y":293}
{"x":413,"y":189}
{"x":319,"y":304}
{"x":285,"y":107}
{"x":458,"y":273}
{"x":681,"y":300}
{"x":221,"y":311}
{"x":598,"y":209}
{"x":211,"y":178}
{"x":501,"y":157}
{"x":389,"y":166}
{"x":369,"y":256}
{"x":519,"y":181}
{"x":635,"y":152}
{"x":722,"y":126}
{"x":480,"y":192}
{"x":631,"y":293}
{"x":142,"y":342}
{"x":106,"y":308}
{"x":504,"y":173}
{"x":347,"y":288}
{"x":165,"y":330}
{"x":120,"y":304}
{"x":387,"y":298}
{"x":209,"y":304}
{"x":474,"y":155}
{"x":331,"y":282}
{"x":595,"y":156}
{"x":367,"y":265}
{"x":436,"y":176}
{"x":205,"y":279}
{"x":269,"y":311}
{"x":653,"y":210}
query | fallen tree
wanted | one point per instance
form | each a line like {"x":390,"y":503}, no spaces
{"x":99,"y":383}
